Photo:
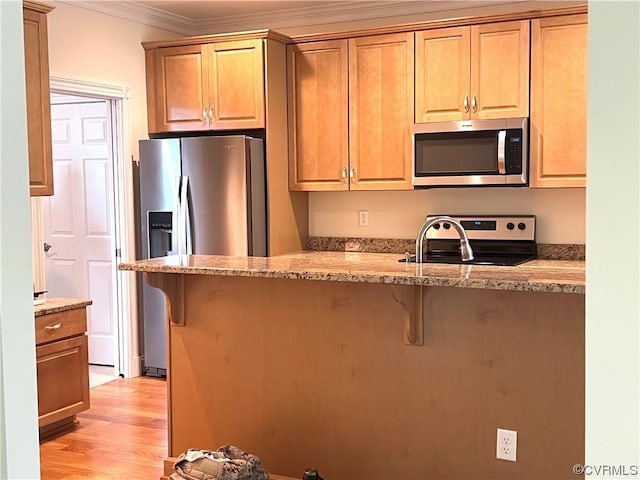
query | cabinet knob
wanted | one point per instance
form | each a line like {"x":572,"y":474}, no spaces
{"x":474,"y":104}
{"x":204,"y":117}
{"x":53,"y":327}
{"x":344,"y":174}
{"x":352,"y":174}
{"x":210,"y":115}
{"x":466,"y":104}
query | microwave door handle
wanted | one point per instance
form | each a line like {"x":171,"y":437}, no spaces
{"x":502,"y":135}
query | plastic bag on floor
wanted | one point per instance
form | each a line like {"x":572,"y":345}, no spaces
{"x":225,"y":463}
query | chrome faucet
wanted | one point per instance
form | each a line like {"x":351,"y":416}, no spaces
{"x":465,"y":248}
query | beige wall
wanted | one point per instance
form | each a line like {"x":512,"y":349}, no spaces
{"x":90,"y":46}
{"x":560,"y":213}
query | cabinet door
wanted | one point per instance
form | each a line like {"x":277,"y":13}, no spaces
{"x":500,"y":70}
{"x":559,"y":102}
{"x":381,"y":112}
{"x":317,"y":105}
{"x":36,"y":58}
{"x":181,"y":89}
{"x":442,"y":75}
{"x":236,"y":84}
{"x":63,"y":379}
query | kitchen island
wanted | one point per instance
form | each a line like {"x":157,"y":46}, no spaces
{"x":366,"y":367}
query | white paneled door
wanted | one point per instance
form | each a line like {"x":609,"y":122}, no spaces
{"x":79,"y":219}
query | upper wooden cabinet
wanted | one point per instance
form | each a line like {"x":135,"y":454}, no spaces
{"x":213,"y":86}
{"x":476,"y":72}
{"x":318,"y":115}
{"x":350,"y":113}
{"x":381,"y":112}
{"x":558,"y":133}
{"x":36,"y":59}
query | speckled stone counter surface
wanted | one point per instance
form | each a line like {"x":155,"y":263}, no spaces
{"x":549,"y":251}
{"x":55,"y":305}
{"x":537,"y":276}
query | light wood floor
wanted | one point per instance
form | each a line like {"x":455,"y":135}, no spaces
{"x":123,"y":435}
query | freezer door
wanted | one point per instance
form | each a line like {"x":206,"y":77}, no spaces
{"x":159,"y":174}
{"x":222,"y":205}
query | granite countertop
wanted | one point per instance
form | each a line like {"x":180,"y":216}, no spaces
{"x":563,"y":276}
{"x":55,"y":305}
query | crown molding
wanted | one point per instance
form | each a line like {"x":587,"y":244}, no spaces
{"x":138,"y":13}
{"x":325,"y":15}
{"x":276,"y":19}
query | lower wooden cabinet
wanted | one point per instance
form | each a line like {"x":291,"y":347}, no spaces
{"x":559,"y":101}
{"x":62,"y":368}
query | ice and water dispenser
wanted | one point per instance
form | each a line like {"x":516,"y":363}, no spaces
{"x":159,"y":228}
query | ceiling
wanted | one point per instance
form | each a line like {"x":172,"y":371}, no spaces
{"x":199,"y":17}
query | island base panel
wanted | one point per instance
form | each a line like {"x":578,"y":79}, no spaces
{"x":315,"y":373}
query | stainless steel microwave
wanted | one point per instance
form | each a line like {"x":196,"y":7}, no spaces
{"x":471,"y":153}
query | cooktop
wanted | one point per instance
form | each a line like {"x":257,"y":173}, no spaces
{"x":495,"y":240}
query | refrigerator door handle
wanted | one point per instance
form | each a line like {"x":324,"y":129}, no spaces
{"x":184,"y":205}
{"x":176,"y":221}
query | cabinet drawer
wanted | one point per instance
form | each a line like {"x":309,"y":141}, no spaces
{"x":56,"y":326}
{"x":63,"y":379}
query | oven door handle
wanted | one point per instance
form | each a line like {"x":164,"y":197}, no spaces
{"x":502,"y":135}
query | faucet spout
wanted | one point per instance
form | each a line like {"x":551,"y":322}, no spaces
{"x":465,"y":248}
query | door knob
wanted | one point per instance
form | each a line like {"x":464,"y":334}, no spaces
{"x":47,"y":247}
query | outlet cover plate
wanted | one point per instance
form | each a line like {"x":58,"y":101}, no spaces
{"x":363,"y":218}
{"x":506,"y":445}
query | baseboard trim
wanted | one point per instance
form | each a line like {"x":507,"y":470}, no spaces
{"x":136,"y":367}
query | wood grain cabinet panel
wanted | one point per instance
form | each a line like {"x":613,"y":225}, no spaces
{"x":62,"y":366}
{"x":318,"y":115}
{"x":500,"y":70}
{"x":476,"y":72}
{"x":216,"y":86}
{"x":381,"y":112}
{"x":236,"y":84}
{"x":36,"y":56}
{"x":559,"y":101}
{"x":63,"y":389}
{"x":350,"y":113}
{"x":181,"y":87}
{"x":442,"y":74}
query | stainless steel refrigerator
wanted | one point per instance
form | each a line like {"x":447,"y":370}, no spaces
{"x":197,"y":195}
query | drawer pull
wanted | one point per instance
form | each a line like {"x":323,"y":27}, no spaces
{"x":53,"y":327}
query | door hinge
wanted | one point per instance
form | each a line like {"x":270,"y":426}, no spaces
{"x":118,"y":253}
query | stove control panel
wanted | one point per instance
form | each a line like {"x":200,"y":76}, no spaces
{"x":483,"y":227}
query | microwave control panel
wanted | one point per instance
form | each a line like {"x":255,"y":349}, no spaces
{"x":513,"y":151}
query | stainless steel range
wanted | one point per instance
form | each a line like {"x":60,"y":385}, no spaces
{"x":495,"y":240}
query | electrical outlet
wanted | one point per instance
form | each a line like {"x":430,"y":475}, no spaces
{"x":363,"y":218}
{"x":507,"y":445}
